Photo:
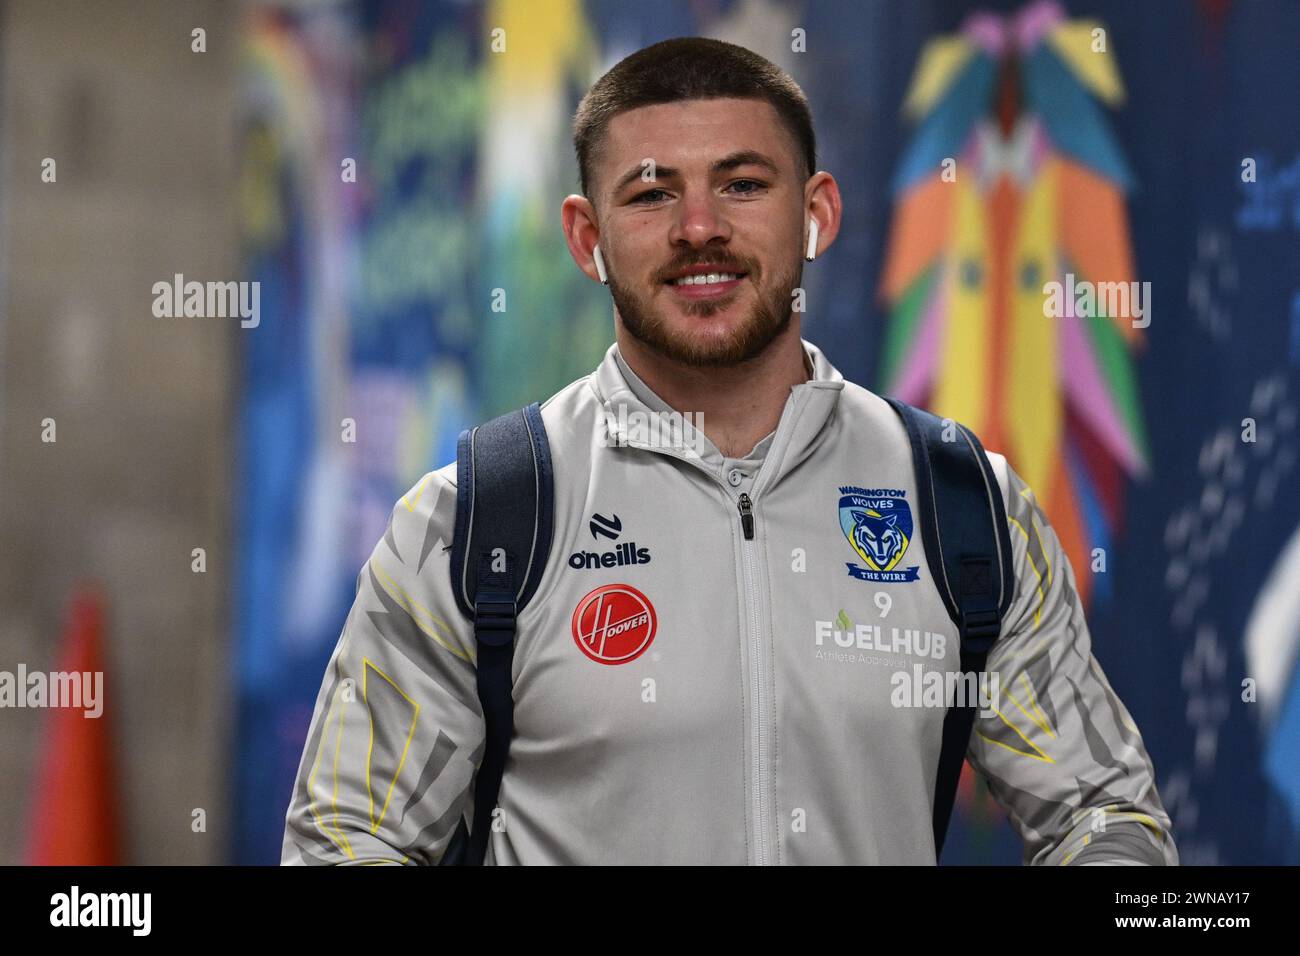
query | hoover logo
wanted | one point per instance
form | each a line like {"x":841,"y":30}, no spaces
{"x":614,"y":624}
{"x":625,"y":553}
{"x":878,"y":525}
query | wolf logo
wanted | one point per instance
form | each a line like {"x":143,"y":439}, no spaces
{"x":878,"y":525}
{"x":878,"y":539}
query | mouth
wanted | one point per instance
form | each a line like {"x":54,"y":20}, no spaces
{"x":705,"y":285}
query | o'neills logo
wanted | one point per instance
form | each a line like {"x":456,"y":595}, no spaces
{"x":625,"y":553}
{"x":614,"y":624}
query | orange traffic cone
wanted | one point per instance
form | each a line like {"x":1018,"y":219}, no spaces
{"x":74,"y":817}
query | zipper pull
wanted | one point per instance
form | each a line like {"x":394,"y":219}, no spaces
{"x":747,"y":516}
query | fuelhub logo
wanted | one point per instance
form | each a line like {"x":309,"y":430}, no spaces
{"x":623,"y":554}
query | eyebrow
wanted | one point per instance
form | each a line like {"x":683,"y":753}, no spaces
{"x":746,"y":157}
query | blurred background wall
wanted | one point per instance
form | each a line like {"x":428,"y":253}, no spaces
{"x":143,"y":136}
{"x":386,"y":171}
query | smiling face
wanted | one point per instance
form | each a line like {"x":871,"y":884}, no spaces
{"x":726,"y":197}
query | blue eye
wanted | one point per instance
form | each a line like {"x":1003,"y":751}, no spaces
{"x":757,"y":186}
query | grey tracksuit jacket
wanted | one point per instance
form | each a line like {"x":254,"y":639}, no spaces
{"x":687,"y":694}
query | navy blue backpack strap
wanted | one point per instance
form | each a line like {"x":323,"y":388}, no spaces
{"x":504,"y":519}
{"x":968,"y":548}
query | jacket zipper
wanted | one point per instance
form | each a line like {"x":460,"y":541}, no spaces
{"x":746,"y":505}
{"x":758,"y":731}
{"x":758,"y":735}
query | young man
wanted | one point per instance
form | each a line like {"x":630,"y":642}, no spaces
{"x":697,"y":679}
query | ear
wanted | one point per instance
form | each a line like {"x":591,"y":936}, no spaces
{"x":578,"y":219}
{"x":859,"y":516}
{"x":824,"y":210}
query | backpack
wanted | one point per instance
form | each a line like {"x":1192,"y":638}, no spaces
{"x":505,"y":508}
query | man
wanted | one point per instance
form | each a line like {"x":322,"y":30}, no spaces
{"x":697,"y":679}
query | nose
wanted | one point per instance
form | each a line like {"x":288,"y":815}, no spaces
{"x":699,"y":221}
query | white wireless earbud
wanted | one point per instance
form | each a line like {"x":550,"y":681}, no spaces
{"x":600,"y":265}
{"x":812,"y":240}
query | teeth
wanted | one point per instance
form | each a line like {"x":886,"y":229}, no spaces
{"x":707,"y":279}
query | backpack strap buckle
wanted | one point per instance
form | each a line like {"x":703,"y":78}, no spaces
{"x":980,"y":628}
{"x":494,"y":618}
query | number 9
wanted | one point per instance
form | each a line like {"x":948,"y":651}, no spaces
{"x":884,"y":602}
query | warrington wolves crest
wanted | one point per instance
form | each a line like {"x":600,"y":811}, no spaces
{"x":878,"y":525}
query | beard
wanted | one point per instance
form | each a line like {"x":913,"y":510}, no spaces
{"x":769,"y":318}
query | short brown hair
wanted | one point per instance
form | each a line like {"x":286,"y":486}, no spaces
{"x":689,"y":68}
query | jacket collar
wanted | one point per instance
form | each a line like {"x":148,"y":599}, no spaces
{"x":623,"y":394}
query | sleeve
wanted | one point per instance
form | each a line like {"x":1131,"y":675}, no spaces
{"x":397,"y":730}
{"x":1058,"y":748}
